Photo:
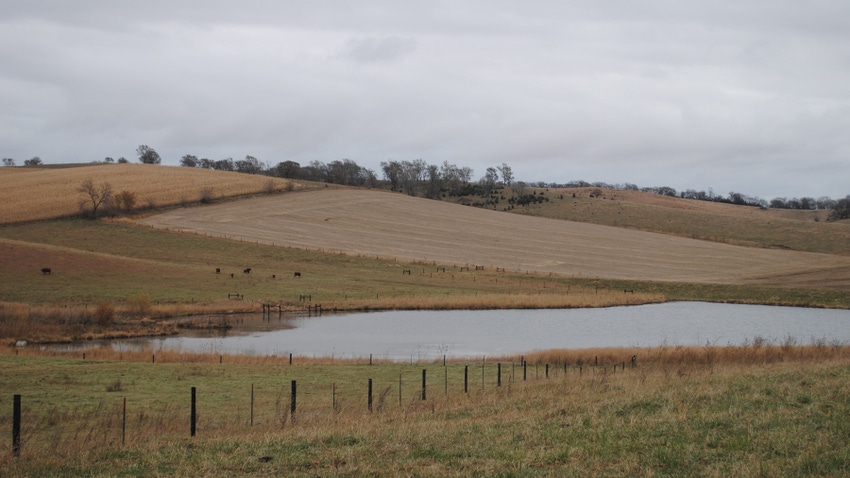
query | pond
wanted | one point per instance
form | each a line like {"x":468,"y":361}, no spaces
{"x":428,"y":335}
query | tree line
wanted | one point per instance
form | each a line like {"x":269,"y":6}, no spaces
{"x":419,"y":178}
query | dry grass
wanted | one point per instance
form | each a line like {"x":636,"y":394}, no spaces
{"x":710,"y":207}
{"x":556,"y":300}
{"x":718,"y":222}
{"x":31,"y":194}
{"x":134,"y":318}
{"x":745,"y":413}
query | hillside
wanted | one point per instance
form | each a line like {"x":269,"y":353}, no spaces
{"x":800,"y":230}
{"x":374,"y":223}
{"x":32,"y":194}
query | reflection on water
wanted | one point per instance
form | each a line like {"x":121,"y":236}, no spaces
{"x":428,"y":335}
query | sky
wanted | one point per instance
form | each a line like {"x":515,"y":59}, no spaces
{"x":727,"y":95}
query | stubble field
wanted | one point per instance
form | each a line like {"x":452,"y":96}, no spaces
{"x":33,"y":194}
{"x":381,"y":224}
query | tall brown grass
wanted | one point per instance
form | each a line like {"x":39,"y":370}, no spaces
{"x":136,"y":317}
{"x":38,"y":194}
{"x":583,"y":298}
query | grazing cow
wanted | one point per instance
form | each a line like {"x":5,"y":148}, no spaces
{"x":634,"y":360}
{"x":218,"y":270}
{"x":247,"y":271}
{"x":46,"y":271}
{"x":231,"y":275}
{"x":297,"y":274}
{"x":274,"y":276}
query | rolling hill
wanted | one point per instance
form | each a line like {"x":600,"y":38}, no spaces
{"x":376,"y":223}
{"x":33,"y":194}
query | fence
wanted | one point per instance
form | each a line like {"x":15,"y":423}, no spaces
{"x":307,"y":400}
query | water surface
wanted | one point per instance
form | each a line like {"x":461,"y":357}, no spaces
{"x":428,"y":335}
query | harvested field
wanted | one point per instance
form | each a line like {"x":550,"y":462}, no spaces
{"x":154,"y":186}
{"x":374,"y":223}
{"x":798,"y":230}
{"x":691,"y":205}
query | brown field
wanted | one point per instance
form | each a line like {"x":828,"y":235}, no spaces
{"x":373,"y":223}
{"x":154,"y":186}
{"x":749,"y":226}
{"x":718,"y":208}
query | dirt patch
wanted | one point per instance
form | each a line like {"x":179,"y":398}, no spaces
{"x":374,"y":223}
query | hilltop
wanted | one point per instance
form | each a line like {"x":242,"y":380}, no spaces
{"x":35,"y":194}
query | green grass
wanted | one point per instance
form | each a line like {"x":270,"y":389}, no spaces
{"x":175,"y":267}
{"x":103,"y":261}
{"x":784,"y":418}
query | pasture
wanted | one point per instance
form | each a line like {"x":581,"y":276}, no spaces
{"x":760,"y":410}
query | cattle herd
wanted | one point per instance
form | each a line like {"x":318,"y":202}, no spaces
{"x":247,"y":270}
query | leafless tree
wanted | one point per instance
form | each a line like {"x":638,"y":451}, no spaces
{"x":96,"y":195}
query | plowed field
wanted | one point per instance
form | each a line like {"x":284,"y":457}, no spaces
{"x":374,"y":223}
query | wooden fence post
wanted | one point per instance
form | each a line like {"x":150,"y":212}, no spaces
{"x":194,"y":415}
{"x":499,"y":374}
{"x":466,"y":379}
{"x":16,"y":426}
{"x":370,"y":396}
{"x":423,"y":384}
{"x":292,"y":402}
{"x":124,"y":423}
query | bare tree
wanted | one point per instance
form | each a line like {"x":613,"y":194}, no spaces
{"x":96,"y":195}
{"x":488,"y":184}
{"x":507,"y":174}
{"x":8,"y":162}
{"x":34,"y":161}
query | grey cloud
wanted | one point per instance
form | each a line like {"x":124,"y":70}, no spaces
{"x":724,"y":94}
{"x":377,"y":50}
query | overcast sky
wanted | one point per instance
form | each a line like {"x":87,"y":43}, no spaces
{"x":745,"y":96}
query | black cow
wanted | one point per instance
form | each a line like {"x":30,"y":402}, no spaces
{"x":46,"y":271}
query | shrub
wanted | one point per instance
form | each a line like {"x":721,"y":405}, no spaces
{"x":207,"y":195}
{"x":140,"y":304}
{"x":104,"y":314}
{"x":125,"y":201}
